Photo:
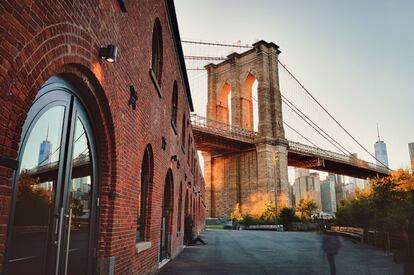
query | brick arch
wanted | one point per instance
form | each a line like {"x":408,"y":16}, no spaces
{"x":99,"y":113}
{"x":250,"y":71}
{"x":169,"y":180}
{"x":97,"y":106}
{"x":35,"y":62}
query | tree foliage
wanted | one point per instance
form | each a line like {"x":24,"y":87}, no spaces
{"x":356,"y":212}
{"x":307,"y":208}
{"x":384,"y":206}
{"x":270,"y":213}
{"x":287,"y":216}
{"x":32,"y":203}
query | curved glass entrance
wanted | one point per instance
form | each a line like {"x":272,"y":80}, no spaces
{"x":51,"y":230}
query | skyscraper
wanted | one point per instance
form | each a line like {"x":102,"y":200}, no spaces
{"x":411,"y":150}
{"x":45,"y":150}
{"x":328,"y":196}
{"x":306,"y":186}
{"x":381,"y":151}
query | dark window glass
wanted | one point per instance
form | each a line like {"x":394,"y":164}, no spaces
{"x":180,"y":206}
{"x":146,"y":181}
{"x":188,"y":150}
{"x":36,"y":191}
{"x":80,"y":192}
{"x":183,"y":132}
{"x":156,"y":61}
{"x":174,"y":105}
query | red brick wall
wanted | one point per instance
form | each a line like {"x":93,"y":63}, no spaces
{"x":40,"y":39}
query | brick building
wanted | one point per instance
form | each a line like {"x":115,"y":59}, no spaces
{"x":97,"y":161}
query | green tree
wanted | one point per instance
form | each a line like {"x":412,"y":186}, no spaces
{"x":357,"y":212}
{"x":33,"y":202}
{"x":77,"y":207}
{"x":384,"y":206}
{"x":393,"y":200}
{"x":287,"y":216}
{"x":269,"y":214}
{"x":248,"y":220}
{"x":307,"y":208}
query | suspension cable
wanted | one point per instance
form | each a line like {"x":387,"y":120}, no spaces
{"x":327,"y":112}
{"x":297,"y":132}
{"x":216,"y":44}
{"x":293,"y":109}
{"x":285,"y":99}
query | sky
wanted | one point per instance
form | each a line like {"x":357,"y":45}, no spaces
{"x":49,"y":127}
{"x":356,"y":58}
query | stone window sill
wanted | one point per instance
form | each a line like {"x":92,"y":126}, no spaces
{"x":155,"y":81}
{"x":142,"y":246}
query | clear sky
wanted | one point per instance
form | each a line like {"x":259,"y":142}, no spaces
{"x":356,"y":57}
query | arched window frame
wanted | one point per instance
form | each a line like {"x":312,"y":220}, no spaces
{"x":183,"y":134}
{"x":157,"y":56}
{"x":188,"y":149}
{"x":146,"y":180}
{"x":174,"y":107}
{"x":180,"y":207}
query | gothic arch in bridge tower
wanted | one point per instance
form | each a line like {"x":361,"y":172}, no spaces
{"x":249,"y":103}
{"x":223,"y":108}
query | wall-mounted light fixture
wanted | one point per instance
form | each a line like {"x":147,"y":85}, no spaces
{"x":108,"y":53}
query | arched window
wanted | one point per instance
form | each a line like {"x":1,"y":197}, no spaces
{"x":188,"y":150}
{"x":174,"y":105}
{"x":249,"y":104}
{"x":157,"y":55}
{"x":166,"y":218}
{"x":146,"y":181}
{"x":180,"y":207}
{"x":57,"y":152}
{"x":183,"y":133}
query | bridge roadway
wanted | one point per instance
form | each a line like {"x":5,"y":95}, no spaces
{"x":221,"y":138}
{"x":271,"y":252}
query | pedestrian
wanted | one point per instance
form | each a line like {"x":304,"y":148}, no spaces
{"x":190,"y":237}
{"x":331,"y":245}
{"x":198,"y":239}
{"x":188,"y":229}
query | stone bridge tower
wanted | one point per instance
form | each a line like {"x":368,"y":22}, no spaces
{"x":248,"y":178}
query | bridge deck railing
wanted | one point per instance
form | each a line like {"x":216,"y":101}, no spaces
{"x":303,"y":148}
{"x":222,"y":128}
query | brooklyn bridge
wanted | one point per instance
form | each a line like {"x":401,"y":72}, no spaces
{"x":244,"y":165}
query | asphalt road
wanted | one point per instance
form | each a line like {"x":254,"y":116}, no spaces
{"x":270,"y":252}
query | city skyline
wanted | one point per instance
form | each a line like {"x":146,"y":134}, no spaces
{"x":342,"y":71}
